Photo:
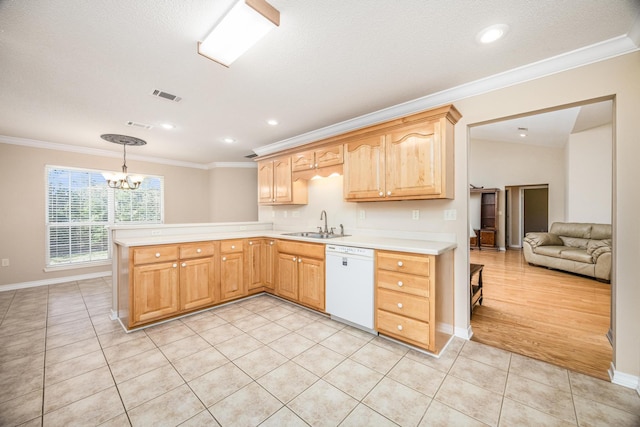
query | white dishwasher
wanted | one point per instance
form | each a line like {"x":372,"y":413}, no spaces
{"x":349,"y":285}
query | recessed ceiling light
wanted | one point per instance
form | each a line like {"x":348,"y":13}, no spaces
{"x":523,"y":132}
{"x":229,"y":140}
{"x":272,"y":122}
{"x":168,"y":126}
{"x":492,"y":33}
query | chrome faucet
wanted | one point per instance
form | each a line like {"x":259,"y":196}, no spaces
{"x":324,"y":214}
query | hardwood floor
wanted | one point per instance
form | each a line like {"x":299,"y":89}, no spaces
{"x":545,"y":314}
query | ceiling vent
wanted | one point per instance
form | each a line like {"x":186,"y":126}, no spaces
{"x":165,"y":95}
{"x":251,"y":156}
{"x":139,"y":125}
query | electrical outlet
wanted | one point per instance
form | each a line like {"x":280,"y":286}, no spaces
{"x":295,"y":214}
{"x":273,"y":214}
{"x":415,"y":214}
{"x":5,"y":262}
{"x":361,"y":214}
{"x":285,"y":214}
{"x":450,"y":214}
{"x":156,"y":232}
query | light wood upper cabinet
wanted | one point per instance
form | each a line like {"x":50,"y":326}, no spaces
{"x":403,"y":161}
{"x":276,"y":185}
{"x":318,"y":158}
{"x":413,"y":161}
{"x":364,"y":170}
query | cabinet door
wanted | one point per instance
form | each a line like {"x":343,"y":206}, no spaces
{"x":287,"y":276}
{"x":414,"y":161}
{"x":364,"y":169}
{"x":282,"y":180}
{"x":232,"y":283}
{"x":329,"y":156}
{"x":265,"y":182}
{"x":303,"y":161}
{"x":197,"y":283}
{"x":269,"y":264}
{"x":311,"y":282}
{"x":255,"y":268}
{"x":155,"y":292}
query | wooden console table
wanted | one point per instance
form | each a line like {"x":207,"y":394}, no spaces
{"x":476,"y":288}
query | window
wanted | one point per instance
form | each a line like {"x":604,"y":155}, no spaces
{"x":80,"y":206}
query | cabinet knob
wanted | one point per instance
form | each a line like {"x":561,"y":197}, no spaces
{"x":294,"y":258}
{"x":250,"y":243}
{"x":299,"y":259}
{"x":157,"y":254}
{"x":399,"y":305}
{"x":271,"y":242}
{"x":316,"y":165}
{"x":400,"y":283}
{"x":310,"y":166}
{"x":224,"y":258}
{"x":388,"y":193}
{"x":175,"y":265}
{"x":184,"y":264}
{"x":399,"y":327}
{"x":233,"y":246}
{"x":198,"y":250}
{"x":400,"y":264}
{"x":381,"y":193}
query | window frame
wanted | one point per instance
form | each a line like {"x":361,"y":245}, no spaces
{"x":110,"y":222}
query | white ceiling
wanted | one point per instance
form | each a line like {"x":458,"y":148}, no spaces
{"x":71,"y":70}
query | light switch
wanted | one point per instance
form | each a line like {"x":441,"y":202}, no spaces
{"x":361,"y":214}
{"x":415,"y":214}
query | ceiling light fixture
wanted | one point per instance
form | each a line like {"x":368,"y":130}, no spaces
{"x":272,"y":122}
{"x":168,"y":126}
{"x":240,"y":28}
{"x":492,"y":33}
{"x":122,"y":180}
{"x":229,"y":140}
{"x":523,"y":132}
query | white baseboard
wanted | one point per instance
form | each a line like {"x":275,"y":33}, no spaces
{"x":464,"y":333}
{"x":54,"y":281}
{"x":625,"y":380}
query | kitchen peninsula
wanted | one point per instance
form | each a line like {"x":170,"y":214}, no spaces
{"x":163,"y":272}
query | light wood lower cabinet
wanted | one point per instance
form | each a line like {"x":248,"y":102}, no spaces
{"x":300,"y":273}
{"x":232,"y":270}
{"x":260,"y":265}
{"x":414,"y":298}
{"x":170,"y":279}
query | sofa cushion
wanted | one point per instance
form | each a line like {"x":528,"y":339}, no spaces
{"x":600,"y":231}
{"x":543,"y":239}
{"x":576,"y":254}
{"x":575,"y":242}
{"x":571,"y":229}
{"x":552,"y":251}
{"x":593,"y":245}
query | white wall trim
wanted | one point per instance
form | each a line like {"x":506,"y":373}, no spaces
{"x":248,"y":165}
{"x":55,"y":281}
{"x":464,"y":333}
{"x":623,"y":379}
{"x":597,"y":52}
{"x":25,"y":142}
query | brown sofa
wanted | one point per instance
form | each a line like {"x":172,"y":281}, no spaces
{"x":582,"y":248}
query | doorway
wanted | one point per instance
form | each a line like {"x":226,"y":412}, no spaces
{"x":535,"y":209}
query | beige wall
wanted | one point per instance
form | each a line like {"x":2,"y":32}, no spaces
{"x":494,"y":164}
{"x":22,"y":204}
{"x":233,"y":194}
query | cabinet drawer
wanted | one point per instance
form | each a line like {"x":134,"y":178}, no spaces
{"x":403,"y":304}
{"x":196,"y":250}
{"x":403,"y":327}
{"x":309,"y":250}
{"x":151,"y":254}
{"x":404,"y":263}
{"x":231,"y":246}
{"x":407,"y":283}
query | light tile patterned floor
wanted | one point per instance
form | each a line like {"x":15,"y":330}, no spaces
{"x":263,"y":361}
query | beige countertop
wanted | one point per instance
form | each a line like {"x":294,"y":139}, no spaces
{"x":427,"y":247}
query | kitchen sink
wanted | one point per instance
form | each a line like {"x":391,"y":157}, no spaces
{"x":315,"y":235}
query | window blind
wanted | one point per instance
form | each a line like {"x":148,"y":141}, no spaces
{"x":80,"y":206}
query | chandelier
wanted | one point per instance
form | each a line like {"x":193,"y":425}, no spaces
{"x":123,"y":180}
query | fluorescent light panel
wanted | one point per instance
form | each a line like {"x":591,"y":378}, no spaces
{"x":245,"y":23}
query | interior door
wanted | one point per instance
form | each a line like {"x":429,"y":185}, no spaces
{"x":536,"y":209}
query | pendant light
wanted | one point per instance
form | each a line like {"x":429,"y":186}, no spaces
{"x":123,"y":180}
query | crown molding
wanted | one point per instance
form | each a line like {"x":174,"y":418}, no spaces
{"x":590,"y":54}
{"x":247,"y":165}
{"x":34,"y":143}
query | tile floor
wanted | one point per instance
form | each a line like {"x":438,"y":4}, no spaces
{"x":263,"y":361}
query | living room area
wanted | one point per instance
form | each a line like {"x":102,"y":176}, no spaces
{"x":527,"y":173}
